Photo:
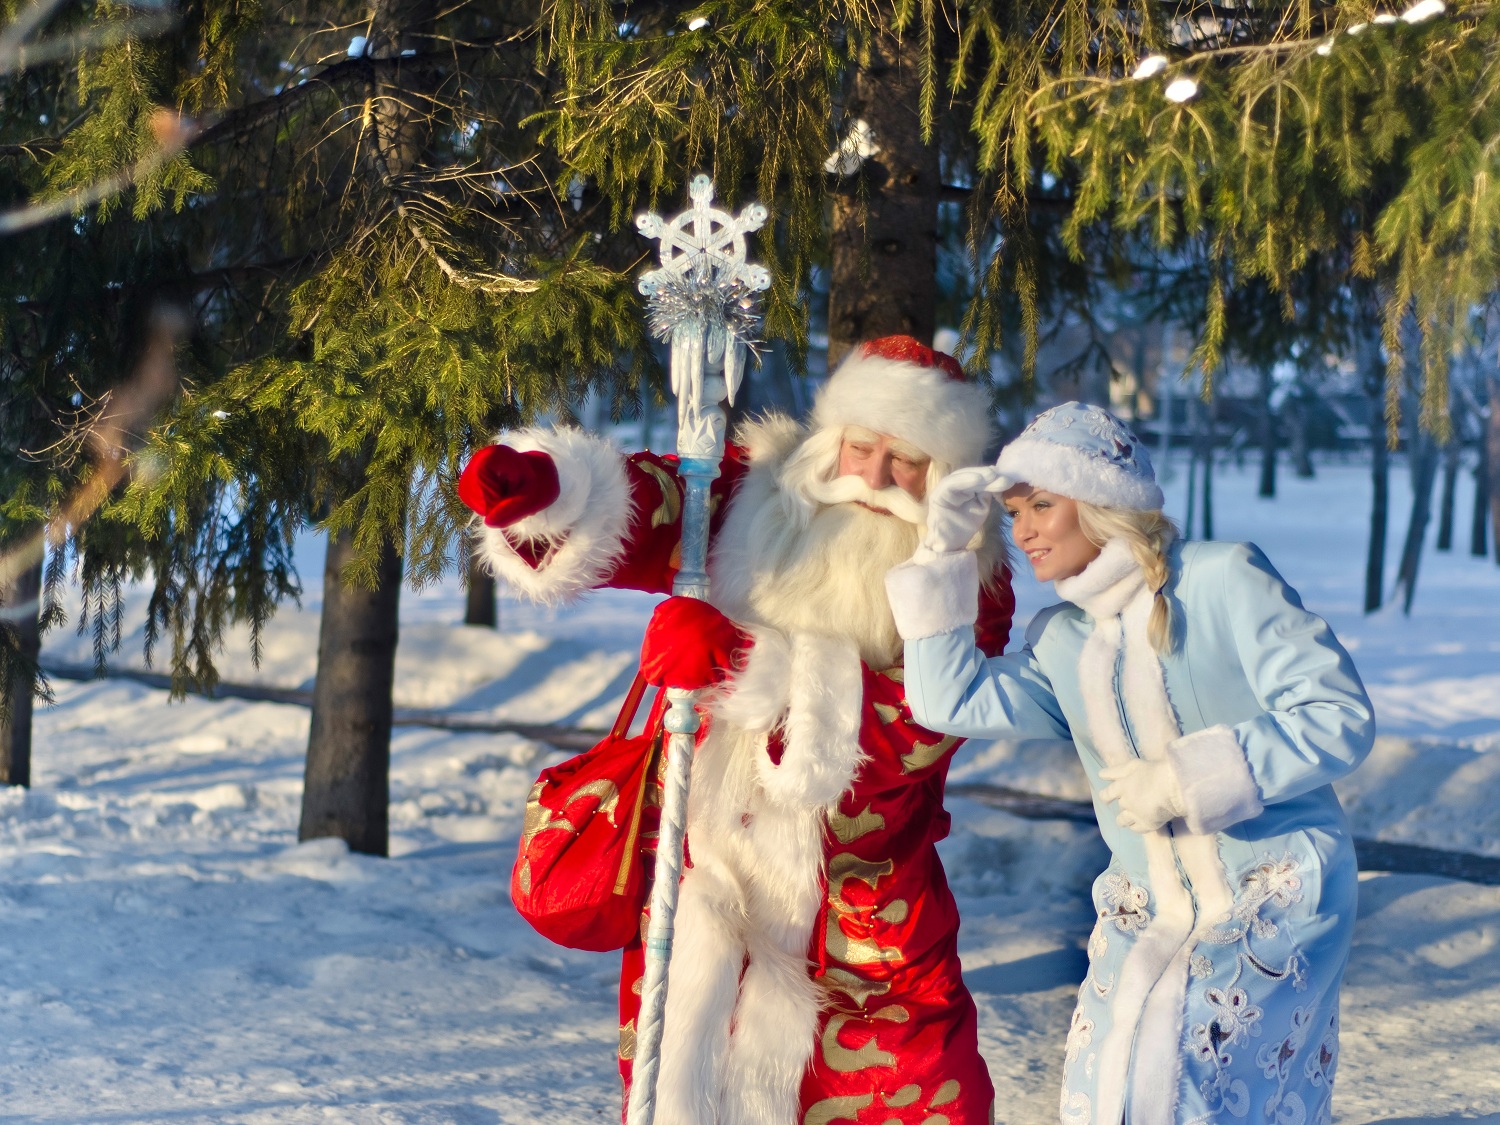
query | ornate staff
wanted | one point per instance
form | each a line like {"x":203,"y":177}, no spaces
{"x":702,"y":299}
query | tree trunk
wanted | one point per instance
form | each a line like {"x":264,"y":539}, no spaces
{"x":1380,"y":480}
{"x":479,"y":608}
{"x":1424,"y":458}
{"x":1451,"y":453}
{"x":1492,"y":460}
{"x":1297,"y":443}
{"x":22,"y":597}
{"x":346,"y":788}
{"x":1267,"y":435}
{"x":884,"y":277}
{"x":1478,"y":539}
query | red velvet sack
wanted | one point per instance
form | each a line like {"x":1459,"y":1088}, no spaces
{"x":581,"y":874}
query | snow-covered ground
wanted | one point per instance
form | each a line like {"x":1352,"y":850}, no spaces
{"x":172,"y":954}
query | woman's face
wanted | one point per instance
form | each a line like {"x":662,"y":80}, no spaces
{"x":1045,"y":526}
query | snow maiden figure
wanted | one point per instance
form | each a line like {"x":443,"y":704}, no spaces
{"x":1211,"y":711}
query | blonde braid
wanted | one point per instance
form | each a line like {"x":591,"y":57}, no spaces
{"x":1149,"y":533}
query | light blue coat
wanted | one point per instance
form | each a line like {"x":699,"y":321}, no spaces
{"x":1215,"y":964}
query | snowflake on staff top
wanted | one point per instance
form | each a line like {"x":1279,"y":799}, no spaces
{"x":703,"y":245}
{"x":702,"y":299}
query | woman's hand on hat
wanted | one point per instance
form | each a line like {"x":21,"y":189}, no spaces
{"x":957,"y":508}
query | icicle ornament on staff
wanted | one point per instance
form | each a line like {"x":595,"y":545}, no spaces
{"x":702,"y":300}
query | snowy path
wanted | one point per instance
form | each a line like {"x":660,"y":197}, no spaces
{"x":173,"y":956}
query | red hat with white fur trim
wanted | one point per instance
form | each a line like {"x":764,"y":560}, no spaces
{"x":898,"y":386}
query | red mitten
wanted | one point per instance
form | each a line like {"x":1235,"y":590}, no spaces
{"x":689,"y":644}
{"x":504,"y":485}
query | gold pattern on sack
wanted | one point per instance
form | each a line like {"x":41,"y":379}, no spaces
{"x":887,"y":713}
{"x":670,"y":508}
{"x":904,"y":1096}
{"x":847,"y":1060}
{"x":847,"y":829}
{"x":854,"y":986}
{"x":829,"y":1110}
{"x":523,"y":877}
{"x":947,"y":1092}
{"x":627,"y":1042}
{"x":539,"y":818}
{"x":609,"y":797}
{"x":895,"y":912}
{"x":924,"y":754}
{"x":937,"y":1119}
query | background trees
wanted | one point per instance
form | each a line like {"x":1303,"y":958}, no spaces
{"x":396,"y":227}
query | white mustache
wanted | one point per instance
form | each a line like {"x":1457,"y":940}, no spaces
{"x":853,"y":490}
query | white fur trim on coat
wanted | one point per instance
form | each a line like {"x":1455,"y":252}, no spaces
{"x":947,"y":420}
{"x":583,"y":530}
{"x":820,"y":734}
{"x":1070,"y":472}
{"x":1217,"y":788}
{"x":935,"y":595}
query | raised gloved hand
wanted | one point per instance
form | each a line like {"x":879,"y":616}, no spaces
{"x":505,"y":485}
{"x":1148,"y":793}
{"x":689,"y":644}
{"x":958,"y":505}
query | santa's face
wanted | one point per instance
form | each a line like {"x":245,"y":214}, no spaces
{"x":1045,"y":526}
{"x":882,"y":461}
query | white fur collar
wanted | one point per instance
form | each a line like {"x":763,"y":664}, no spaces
{"x":1107,"y":585}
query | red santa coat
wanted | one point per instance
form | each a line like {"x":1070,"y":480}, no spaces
{"x":815,"y":976}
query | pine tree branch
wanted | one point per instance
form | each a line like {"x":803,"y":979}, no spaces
{"x":360,"y":70}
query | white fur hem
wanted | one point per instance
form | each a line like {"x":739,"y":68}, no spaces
{"x":1071,"y":472}
{"x":582,"y":531}
{"x":937,"y":595}
{"x":1217,"y":789}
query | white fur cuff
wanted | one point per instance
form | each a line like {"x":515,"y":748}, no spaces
{"x":935,"y":594}
{"x":1217,"y":789}
{"x":582,"y":532}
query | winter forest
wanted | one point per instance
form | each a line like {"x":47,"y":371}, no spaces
{"x":273,"y":271}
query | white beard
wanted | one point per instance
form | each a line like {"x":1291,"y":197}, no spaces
{"x":829,"y":579}
{"x":800,"y":566}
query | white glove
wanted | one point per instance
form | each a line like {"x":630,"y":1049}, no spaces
{"x":1148,"y":792}
{"x":958,"y":505}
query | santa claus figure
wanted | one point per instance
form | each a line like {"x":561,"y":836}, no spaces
{"x":815,"y":975}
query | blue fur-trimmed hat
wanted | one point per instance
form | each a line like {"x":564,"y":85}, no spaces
{"x":1085,"y":453}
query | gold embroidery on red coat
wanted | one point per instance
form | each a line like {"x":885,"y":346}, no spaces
{"x":946,"y":1093}
{"x":857,"y":988}
{"x":829,"y":1110}
{"x":888,"y":714}
{"x":843,"y":867}
{"x":670,"y":507}
{"x":904,"y":1097}
{"x":924,"y":754}
{"x":847,"y":829}
{"x":627,"y":1042}
{"x":847,"y":1060}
